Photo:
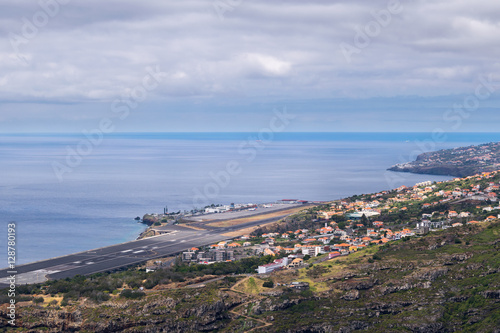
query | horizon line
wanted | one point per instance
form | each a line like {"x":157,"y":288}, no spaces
{"x":253,"y":132}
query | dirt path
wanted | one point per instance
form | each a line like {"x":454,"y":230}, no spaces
{"x":234,"y":311}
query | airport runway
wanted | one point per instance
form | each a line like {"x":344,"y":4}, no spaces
{"x":177,"y":239}
{"x":112,"y":257}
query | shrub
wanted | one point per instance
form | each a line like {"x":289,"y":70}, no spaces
{"x":132,"y":294}
{"x":38,"y":300}
{"x":22,"y":298}
{"x":230,"y":279}
{"x":317,"y":271}
{"x":98,"y":296}
{"x":268,"y":284}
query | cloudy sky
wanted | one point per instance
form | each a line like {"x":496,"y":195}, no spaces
{"x":225,"y":65}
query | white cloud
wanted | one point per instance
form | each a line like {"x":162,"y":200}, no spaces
{"x":263,"y":50}
{"x":266,"y":64}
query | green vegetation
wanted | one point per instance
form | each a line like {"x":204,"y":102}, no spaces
{"x":444,"y":281}
{"x":149,"y":219}
{"x":459,"y":162}
{"x":268,"y":284}
{"x":98,"y":287}
{"x":411,"y":286}
{"x":38,"y":300}
{"x":246,"y":265}
{"x":132,"y":294}
{"x":426,"y":284}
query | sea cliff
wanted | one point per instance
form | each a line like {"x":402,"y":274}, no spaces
{"x":458,"y":162}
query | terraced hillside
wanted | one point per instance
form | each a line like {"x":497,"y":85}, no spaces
{"x":446,"y":281}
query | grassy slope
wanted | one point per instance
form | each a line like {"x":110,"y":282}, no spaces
{"x":447,"y":281}
{"x":437,"y":283}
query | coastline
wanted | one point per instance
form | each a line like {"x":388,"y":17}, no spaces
{"x":76,"y":217}
{"x":456,"y":162}
{"x":432,"y":172}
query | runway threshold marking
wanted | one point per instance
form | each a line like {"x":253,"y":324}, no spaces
{"x":112,"y":256}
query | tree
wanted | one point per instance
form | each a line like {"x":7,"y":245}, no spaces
{"x":364,"y":220}
{"x":268,"y":284}
{"x":38,"y":300}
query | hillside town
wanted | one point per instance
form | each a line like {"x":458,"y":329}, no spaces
{"x":460,"y":162}
{"x":348,"y":225}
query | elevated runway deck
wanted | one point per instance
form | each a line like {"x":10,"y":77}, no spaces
{"x":111,"y":257}
{"x":176,"y":240}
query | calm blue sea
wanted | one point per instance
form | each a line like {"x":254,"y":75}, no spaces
{"x":94,"y":200}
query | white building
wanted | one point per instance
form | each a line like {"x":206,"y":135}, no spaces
{"x":367,"y":213}
{"x":278,"y":263}
{"x":211,"y":210}
{"x":313,"y":251}
{"x":426,"y":183}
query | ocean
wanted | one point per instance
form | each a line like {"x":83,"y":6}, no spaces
{"x":71,"y":192}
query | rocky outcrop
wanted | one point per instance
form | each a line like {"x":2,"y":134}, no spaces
{"x":430,"y":274}
{"x":494,"y":294}
{"x":268,"y":304}
{"x":404,"y":286}
{"x":161,"y":313}
{"x":358,"y":284}
{"x":351,"y":295}
{"x":409,"y":288}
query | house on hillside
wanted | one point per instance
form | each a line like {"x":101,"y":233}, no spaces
{"x":297,"y":262}
{"x":277,"y":264}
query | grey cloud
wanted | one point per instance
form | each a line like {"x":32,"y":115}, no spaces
{"x":94,"y":51}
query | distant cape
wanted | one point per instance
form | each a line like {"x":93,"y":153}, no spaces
{"x":458,"y":162}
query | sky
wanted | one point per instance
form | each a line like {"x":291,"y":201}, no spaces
{"x":234,"y":65}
